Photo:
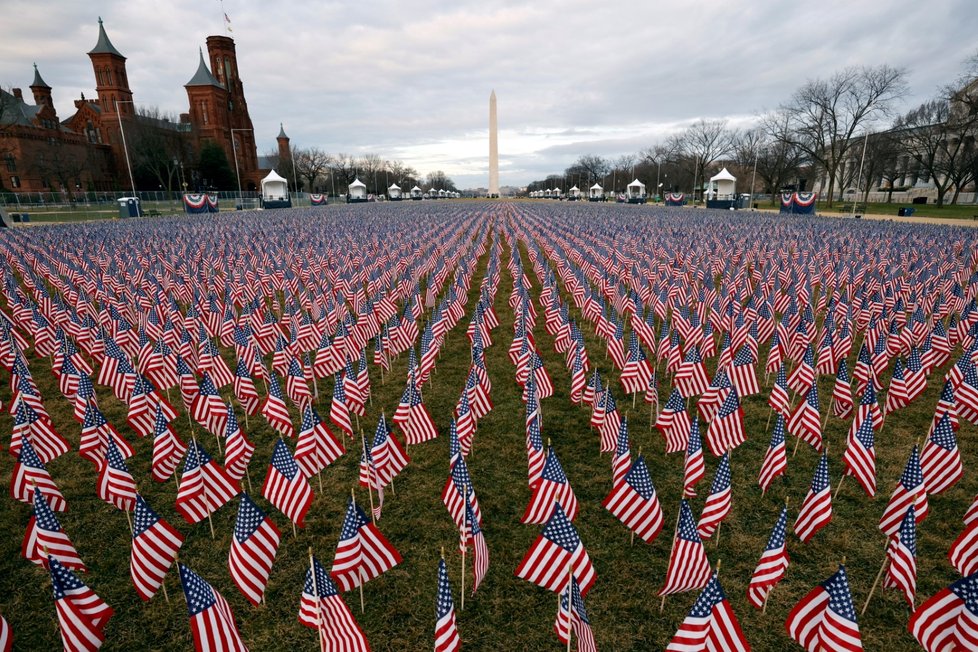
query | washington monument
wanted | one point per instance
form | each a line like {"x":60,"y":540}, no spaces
{"x":493,"y":148}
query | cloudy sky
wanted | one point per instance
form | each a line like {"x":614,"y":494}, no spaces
{"x":410,"y":79}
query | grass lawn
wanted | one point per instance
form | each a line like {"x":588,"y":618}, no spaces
{"x":507,"y":613}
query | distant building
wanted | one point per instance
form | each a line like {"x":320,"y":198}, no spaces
{"x":41,"y":153}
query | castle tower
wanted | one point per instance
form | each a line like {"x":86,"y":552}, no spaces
{"x":284,"y":149}
{"x":111,"y":82}
{"x":42,"y":92}
{"x":224,"y":65}
{"x":493,"y":148}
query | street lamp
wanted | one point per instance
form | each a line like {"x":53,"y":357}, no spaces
{"x":234,"y":148}
{"x":125,"y":148}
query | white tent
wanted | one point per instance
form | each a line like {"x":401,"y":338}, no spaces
{"x":358,"y":191}
{"x":416,"y":193}
{"x":442,"y":193}
{"x":595,"y":192}
{"x":394,"y":192}
{"x":723,"y":186}
{"x":555,"y":193}
{"x":575,"y":193}
{"x":275,"y":191}
{"x":636,"y":190}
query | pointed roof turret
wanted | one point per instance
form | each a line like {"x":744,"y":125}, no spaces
{"x":203,"y":76}
{"x":104,"y":45}
{"x":281,"y":132}
{"x":38,"y":80}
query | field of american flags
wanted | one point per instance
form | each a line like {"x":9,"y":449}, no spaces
{"x":115,"y":261}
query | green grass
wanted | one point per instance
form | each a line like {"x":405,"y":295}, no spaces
{"x":507,"y":613}
{"x":954,"y":212}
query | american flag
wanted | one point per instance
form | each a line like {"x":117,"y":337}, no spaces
{"x":389,"y":456}
{"x":963,"y":554}
{"x":370,"y":478}
{"x":480,"y":551}
{"x":622,"y":459}
{"x":804,"y":421}
{"x":949,"y":619}
{"x":253,"y":547}
{"x":211,"y":619}
{"x":634,"y":502}
{"x":673,"y":422}
{"x":155,"y":544}
{"x":842,"y":392}
{"x":693,"y":467}
{"x":775,"y":460}
{"x":908,"y":491}
{"x":772,"y":565}
{"x":545,"y":563}
{"x":244,"y":389}
{"x":553,"y":489}
{"x":412,"y":416}
{"x":82,"y":615}
{"x":44,"y":537}
{"x":572,"y":617}
{"x":710,"y":624}
{"x":825,"y":619}
{"x":115,"y":484}
{"x":168,"y":449}
{"x":902,"y":555}
{"x":536,"y":458}
{"x":296,"y":386}
{"x":742,"y":373}
{"x":204,"y":486}
{"x":446,"y":631}
{"x":275,"y":410}
{"x":897,"y":396}
{"x":239,"y":450}
{"x":30,"y":472}
{"x":804,"y":374}
{"x":610,"y":421}
{"x":691,"y":378}
{"x":28,"y":424}
{"x":6,"y":636}
{"x":719,"y":502}
{"x":713,"y":397}
{"x":208,"y":408}
{"x":464,"y":423}
{"x":860,"y":457}
{"x":316,"y":447}
{"x":940,"y":460}
{"x":689,"y":568}
{"x":816,"y":511}
{"x":362,"y":552}
{"x":286,"y":487}
{"x":457,"y":487}
{"x":726,"y":431}
{"x":322,"y":608}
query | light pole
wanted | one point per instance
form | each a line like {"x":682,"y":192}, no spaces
{"x":753,"y":177}
{"x":234,"y":148}
{"x":125,"y":148}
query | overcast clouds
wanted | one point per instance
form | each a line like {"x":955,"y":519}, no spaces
{"x":411,"y":80}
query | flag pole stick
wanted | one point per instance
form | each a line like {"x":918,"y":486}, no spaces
{"x":464,"y":548}
{"x":319,"y":609}
{"x":207,"y":500}
{"x":129,"y":520}
{"x":766,"y":598}
{"x":769,"y":415}
{"x":879,"y":575}
{"x":370,"y":479}
{"x":163,"y":586}
{"x":662,"y":605}
{"x":838,"y":487}
{"x":353,"y":495}
{"x":570,"y":592}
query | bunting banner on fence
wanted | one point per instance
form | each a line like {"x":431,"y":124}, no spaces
{"x":675,"y":199}
{"x":317,"y":200}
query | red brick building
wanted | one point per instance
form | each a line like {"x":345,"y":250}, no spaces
{"x":39,"y":152}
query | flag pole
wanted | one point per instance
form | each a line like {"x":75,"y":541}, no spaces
{"x":353,"y":496}
{"x":370,"y":479}
{"x":465,"y":511}
{"x":319,"y":610}
{"x":879,"y":575}
{"x":207,"y":500}
{"x":570,"y":605}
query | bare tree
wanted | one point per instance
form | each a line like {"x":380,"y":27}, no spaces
{"x":778,"y":159}
{"x":439,"y":181}
{"x":591,"y":166}
{"x":60,"y":161}
{"x":825,"y":114}
{"x":158,"y":146}
{"x":882,"y":162}
{"x":310,"y":164}
{"x":940,"y":136}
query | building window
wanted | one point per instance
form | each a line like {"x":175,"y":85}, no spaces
{"x":14,"y":181}
{"x":10,"y":162}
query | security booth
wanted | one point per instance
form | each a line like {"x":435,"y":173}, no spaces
{"x":635,"y":192}
{"x":128,"y":207}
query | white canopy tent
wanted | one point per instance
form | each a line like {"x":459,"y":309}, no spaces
{"x":723,"y":186}
{"x":574,"y":193}
{"x":358,"y":191}
{"x":394,"y":192}
{"x":595,"y":192}
{"x":416,"y":193}
{"x":636,"y":190}
{"x":275,"y":191}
